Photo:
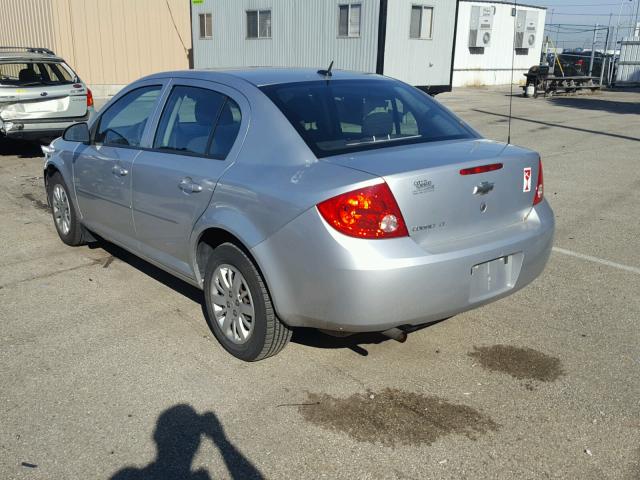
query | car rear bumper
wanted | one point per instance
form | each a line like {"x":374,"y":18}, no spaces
{"x":41,"y":128}
{"x":320,"y":278}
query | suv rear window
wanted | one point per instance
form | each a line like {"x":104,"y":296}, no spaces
{"x":28,"y":74}
{"x":342,"y":116}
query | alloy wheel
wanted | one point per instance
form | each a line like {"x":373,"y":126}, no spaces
{"x":232,"y":304}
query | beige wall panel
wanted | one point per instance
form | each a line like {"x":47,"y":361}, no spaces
{"x":108,"y":42}
{"x":26,"y":22}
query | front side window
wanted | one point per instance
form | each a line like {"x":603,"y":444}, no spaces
{"x":349,"y":20}
{"x":123,"y":124}
{"x":342,"y":116}
{"x":30,"y":74}
{"x":421,"y":22}
{"x":258,"y":23}
{"x":206,"y":26}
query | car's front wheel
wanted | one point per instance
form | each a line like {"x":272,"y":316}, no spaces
{"x":65,"y":220}
{"x":240,"y":312}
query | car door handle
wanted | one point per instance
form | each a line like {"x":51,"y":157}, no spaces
{"x":118,"y":170}
{"x":189,"y":186}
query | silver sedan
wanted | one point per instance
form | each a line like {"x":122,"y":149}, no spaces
{"x":301,"y":198}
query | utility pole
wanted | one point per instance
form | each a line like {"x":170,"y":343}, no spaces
{"x":593,"y":49}
{"x":605,"y":57}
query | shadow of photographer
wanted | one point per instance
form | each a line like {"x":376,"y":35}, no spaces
{"x":179,"y":431}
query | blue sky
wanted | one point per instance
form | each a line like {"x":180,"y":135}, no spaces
{"x":587,"y":12}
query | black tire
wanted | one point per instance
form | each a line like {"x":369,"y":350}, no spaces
{"x":75,"y":235}
{"x":269,"y":334}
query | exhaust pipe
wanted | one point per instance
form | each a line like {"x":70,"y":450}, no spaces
{"x":395,"y":334}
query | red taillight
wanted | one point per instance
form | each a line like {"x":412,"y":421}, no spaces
{"x":370,"y":212}
{"x":89,"y":98}
{"x":539,"y":192}
{"x":481,"y":169}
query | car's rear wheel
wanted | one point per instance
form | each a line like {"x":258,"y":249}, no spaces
{"x":240,"y":312}
{"x":65,"y":220}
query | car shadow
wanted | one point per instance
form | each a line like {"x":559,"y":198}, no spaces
{"x":178,"y":433}
{"x":600,"y":104}
{"x":309,"y":337}
{"x":149,"y":269}
{"x":20,"y":148}
{"x":356,"y":342}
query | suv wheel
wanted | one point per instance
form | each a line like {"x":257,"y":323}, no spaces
{"x":63,"y":211}
{"x":239,"y":308}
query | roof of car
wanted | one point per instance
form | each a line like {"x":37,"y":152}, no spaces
{"x":28,"y":56}
{"x":261,"y":76}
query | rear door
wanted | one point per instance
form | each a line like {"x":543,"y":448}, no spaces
{"x":102,"y":170}
{"x":40,"y":90}
{"x":195,"y":141}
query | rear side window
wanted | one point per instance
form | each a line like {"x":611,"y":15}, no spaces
{"x":341,"y":116}
{"x":226,"y":130}
{"x":198,"y":121}
{"x":34,"y":74}
{"x":188,"y":120}
{"x":124,"y":122}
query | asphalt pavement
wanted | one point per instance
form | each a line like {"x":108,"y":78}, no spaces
{"x":108,"y":369}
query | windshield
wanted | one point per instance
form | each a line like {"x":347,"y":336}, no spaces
{"x":341,"y":116}
{"x":29,"y":74}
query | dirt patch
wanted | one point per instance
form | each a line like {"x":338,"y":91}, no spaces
{"x":395,"y":417}
{"x":39,"y":204}
{"x":521,"y":363}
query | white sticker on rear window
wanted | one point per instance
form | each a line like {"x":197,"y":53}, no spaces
{"x":526,"y":183}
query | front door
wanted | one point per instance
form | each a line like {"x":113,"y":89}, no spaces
{"x":173,"y":182}
{"x":102,"y":170}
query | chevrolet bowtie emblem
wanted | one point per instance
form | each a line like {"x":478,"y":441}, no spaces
{"x":483,"y":188}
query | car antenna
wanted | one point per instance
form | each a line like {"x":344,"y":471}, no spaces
{"x":327,"y":72}
{"x":513,"y":57}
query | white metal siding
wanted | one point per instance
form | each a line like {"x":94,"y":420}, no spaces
{"x":424,"y":62}
{"x":493,"y":67}
{"x":629,"y":64}
{"x":304,"y":34}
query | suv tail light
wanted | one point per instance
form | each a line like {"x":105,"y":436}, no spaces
{"x":539,"y":193}
{"x":370,"y":212}
{"x":89,"y":98}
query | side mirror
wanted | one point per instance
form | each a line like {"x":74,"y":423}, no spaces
{"x":78,"y":132}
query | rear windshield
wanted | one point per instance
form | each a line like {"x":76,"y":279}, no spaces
{"x":29,"y":74}
{"x":341,"y":116}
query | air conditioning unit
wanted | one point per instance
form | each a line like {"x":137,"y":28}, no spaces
{"x":480,"y":26}
{"x":526,"y":28}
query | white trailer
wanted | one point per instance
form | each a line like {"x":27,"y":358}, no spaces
{"x":412,"y":40}
{"x":493,"y":34}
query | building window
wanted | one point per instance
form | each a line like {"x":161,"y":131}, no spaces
{"x":349,"y":20}
{"x":258,"y":23}
{"x":421,"y":22}
{"x":205,"y":25}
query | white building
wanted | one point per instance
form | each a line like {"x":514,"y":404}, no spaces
{"x":489,"y":38}
{"x":411,"y":40}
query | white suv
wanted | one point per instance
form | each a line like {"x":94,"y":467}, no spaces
{"x":40,"y":95}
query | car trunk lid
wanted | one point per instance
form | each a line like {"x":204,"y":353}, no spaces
{"x":438,"y":203}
